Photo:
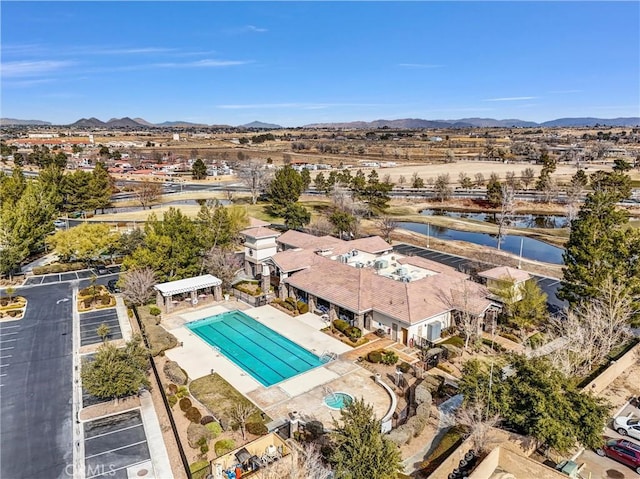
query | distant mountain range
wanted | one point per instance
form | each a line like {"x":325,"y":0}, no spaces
{"x":407,"y":123}
{"x":13,"y":121}
{"x":412,"y":123}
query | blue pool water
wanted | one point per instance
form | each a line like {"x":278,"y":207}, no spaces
{"x":338,"y":400}
{"x":266,"y":355}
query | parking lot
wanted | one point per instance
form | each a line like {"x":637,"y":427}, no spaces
{"x":70,"y":276}
{"x":549,"y":285}
{"x":114,"y":444}
{"x":36,"y":386}
{"x":598,"y":467}
{"x":89,"y":323}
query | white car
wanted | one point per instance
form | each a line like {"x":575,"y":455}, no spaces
{"x":59,"y":223}
{"x":627,"y":426}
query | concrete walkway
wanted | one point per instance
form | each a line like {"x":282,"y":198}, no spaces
{"x":504,"y":342}
{"x":157,"y":448}
{"x":446,"y":410}
{"x":46,"y":259}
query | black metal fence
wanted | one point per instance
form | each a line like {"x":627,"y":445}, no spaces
{"x":185,"y":461}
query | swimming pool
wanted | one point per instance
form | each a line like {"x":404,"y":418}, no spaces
{"x":266,"y":355}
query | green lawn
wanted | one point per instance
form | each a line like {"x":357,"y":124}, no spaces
{"x":219,"y":397}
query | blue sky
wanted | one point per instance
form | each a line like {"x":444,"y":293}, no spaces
{"x":296,"y":63}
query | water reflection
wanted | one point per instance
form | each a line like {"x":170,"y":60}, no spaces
{"x":517,"y":221}
{"x":531,"y":248}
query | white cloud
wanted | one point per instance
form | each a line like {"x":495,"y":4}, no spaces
{"x":253,"y":28}
{"x":32,"y":68}
{"x":512,"y":98}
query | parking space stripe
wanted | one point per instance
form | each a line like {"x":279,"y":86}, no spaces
{"x":112,"y":432}
{"x":116,"y":449}
{"x":111,"y":472}
{"x":6,"y":349}
{"x":3,"y":365}
{"x":98,"y":321}
{"x":7,"y":340}
{"x":8,"y":327}
{"x":5,"y":357}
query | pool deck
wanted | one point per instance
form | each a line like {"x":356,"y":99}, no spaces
{"x":303,"y":393}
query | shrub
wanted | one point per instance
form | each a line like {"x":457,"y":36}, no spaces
{"x":197,"y":435}
{"x":198,"y":466}
{"x":256,"y":428}
{"x":193,"y":414}
{"x":536,"y":340}
{"x":154,"y":311}
{"x":511,"y":337}
{"x":172,"y":388}
{"x":206,"y":420}
{"x":389,"y":358}
{"x":224,"y":446}
{"x":315,"y":429}
{"x":214,"y":428}
{"x":291,"y":301}
{"x":303,"y":307}
{"x":172,"y":400}
{"x":353,"y":333}
{"x":381,"y":333}
{"x":204,"y":449}
{"x":105,"y":299}
{"x":185,"y":403}
{"x":340,"y":325}
{"x":404,"y":367}
{"x":182,"y":392}
{"x":374,"y":357}
{"x":85,"y":292}
{"x":87,"y":303}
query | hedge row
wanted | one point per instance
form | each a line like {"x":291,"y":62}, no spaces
{"x":58,"y":268}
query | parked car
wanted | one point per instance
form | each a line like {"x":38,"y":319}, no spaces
{"x":59,"y":223}
{"x":112,"y":286}
{"x":623,"y":451}
{"x":627,"y":426}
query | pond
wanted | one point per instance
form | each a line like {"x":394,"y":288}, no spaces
{"x":531,"y":248}
{"x":517,"y":221}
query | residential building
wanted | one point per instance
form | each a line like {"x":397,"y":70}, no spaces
{"x":365,"y":282}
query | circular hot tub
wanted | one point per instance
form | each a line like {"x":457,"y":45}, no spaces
{"x":338,"y":400}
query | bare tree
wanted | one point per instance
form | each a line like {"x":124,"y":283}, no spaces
{"x":593,"y":329}
{"x":301,"y":463}
{"x":512,"y":180}
{"x":443,"y":189}
{"x":320,"y":227}
{"x":479,"y":423}
{"x":479,"y":177}
{"x":147,"y":193}
{"x":402,"y":180}
{"x":527,"y":177}
{"x":137,"y":285}
{"x":506,"y":210}
{"x":240,"y":414}
{"x":254,"y":175}
{"x":387,"y":225}
{"x":468,"y":323}
{"x":223,"y":264}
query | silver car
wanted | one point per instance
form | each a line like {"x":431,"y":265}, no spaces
{"x":627,"y":426}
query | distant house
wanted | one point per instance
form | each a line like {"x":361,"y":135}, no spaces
{"x":506,"y":277}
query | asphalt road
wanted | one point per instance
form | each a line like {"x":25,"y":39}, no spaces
{"x":36,"y":392}
{"x":549,"y":285}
